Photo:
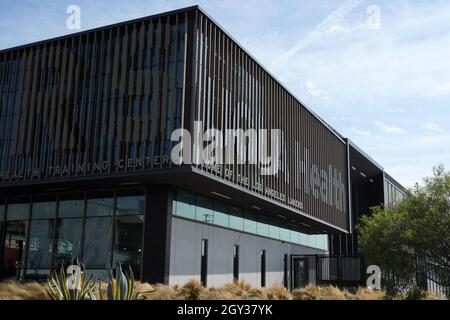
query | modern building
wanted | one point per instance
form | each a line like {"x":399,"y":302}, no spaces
{"x":85,"y":160}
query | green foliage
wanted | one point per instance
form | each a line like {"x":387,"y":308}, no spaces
{"x":121,"y":287}
{"x":394,"y":237}
{"x":61,"y":288}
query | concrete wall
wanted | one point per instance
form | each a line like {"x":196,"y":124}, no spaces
{"x":185,"y":254}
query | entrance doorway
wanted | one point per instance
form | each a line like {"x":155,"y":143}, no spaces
{"x":12,"y":241}
{"x":300,"y":272}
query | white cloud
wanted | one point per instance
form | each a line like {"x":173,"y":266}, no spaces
{"x":313,"y":90}
{"x":329,"y":26}
{"x":443,"y":87}
{"x":361,"y":132}
{"x":388,"y":129}
{"x":409,"y":157}
{"x":431,"y":126}
{"x":396,"y":110}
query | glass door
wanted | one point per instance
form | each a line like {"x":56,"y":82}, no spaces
{"x":300,"y":272}
{"x":13,"y":243}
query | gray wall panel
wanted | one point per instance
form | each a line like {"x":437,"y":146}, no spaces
{"x":185,"y":254}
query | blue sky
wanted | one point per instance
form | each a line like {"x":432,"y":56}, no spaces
{"x":386,"y":88}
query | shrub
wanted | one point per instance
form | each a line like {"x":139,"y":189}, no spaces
{"x":418,"y":294}
{"x":310,"y":292}
{"x":313,"y":292}
{"x":59,"y":287}
{"x":14,"y":290}
{"x":279,"y":292}
{"x":236,"y":290}
{"x":158,"y":292}
{"x":369,"y":294}
{"x":192,"y":289}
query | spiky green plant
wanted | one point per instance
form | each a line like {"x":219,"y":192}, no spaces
{"x":59,"y":288}
{"x":122,"y":286}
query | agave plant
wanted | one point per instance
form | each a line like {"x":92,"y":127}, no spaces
{"x":62,"y":287}
{"x":122,"y":286}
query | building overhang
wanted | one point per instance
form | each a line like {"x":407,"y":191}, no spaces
{"x":186,"y":177}
{"x":362,"y":167}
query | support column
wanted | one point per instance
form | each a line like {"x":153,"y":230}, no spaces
{"x":157,"y":234}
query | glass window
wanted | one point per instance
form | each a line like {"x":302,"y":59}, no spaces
{"x":285,"y":235}
{"x":130,"y":202}
{"x":312,"y":240}
{"x":184,"y":205}
{"x":318,"y":242}
{"x":294,"y":236}
{"x":100,"y":204}
{"x":204,"y":262}
{"x":128,"y":242}
{"x":97,"y":242}
{"x":221,"y":214}
{"x":41,"y":244}
{"x":2,"y":211}
{"x":205,"y":211}
{"x":322,"y":241}
{"x":18,"y":209}
{"x":71,"y":205}
{"x":250,"y":222}
{"x":263,"y":268}
{"x":303,"y":239}
{"x":274,"y":232}
{"x":262,"y":229}
{"x":235,"y":262}
{"x":43,"y":208}
{"x":68,"y":245}
{"x":236,"y":219}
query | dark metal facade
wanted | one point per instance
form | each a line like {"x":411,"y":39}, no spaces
{"x":106,"y":101}
{"x":233,"y":91}
{"x":94,"y":103}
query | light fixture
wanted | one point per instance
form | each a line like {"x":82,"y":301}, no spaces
{"x":371,"y":180}
{"x":255,"y":207}
{"x":306,"y":225}
{"x":279,"y":215}
{"x":56,"y":189}
{"x":363,"y":175}
{"x":129,"y":183}
{"x":220,"y":195}
{"x":353,"y":168}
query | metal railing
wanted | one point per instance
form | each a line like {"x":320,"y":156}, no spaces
{"x":340,"y":271}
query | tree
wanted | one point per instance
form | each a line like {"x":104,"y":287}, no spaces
{"x":415,"y":232}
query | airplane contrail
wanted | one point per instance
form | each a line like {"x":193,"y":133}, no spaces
{"x":331,"y":20}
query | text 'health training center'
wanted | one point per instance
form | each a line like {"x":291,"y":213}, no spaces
{"x":86,"y":172}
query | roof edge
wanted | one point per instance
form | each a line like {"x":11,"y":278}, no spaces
{"x":113,"y":25}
